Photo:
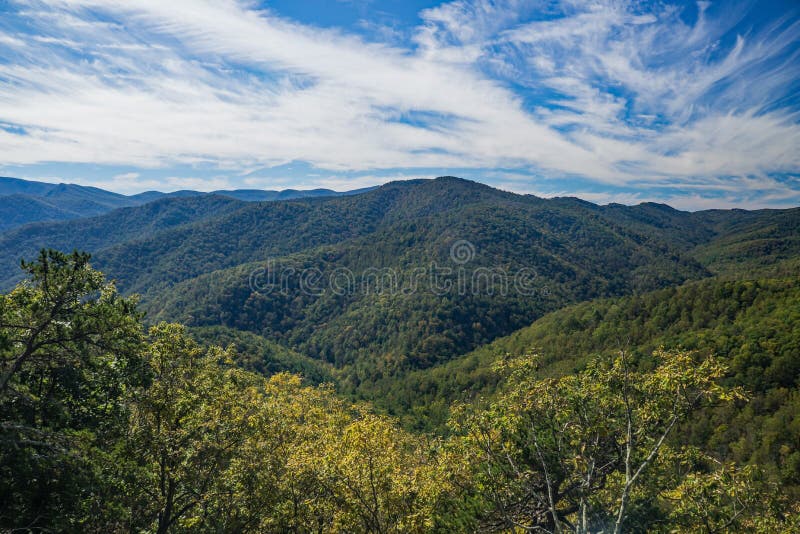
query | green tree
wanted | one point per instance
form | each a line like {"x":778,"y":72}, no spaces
{"x":214,"y":448}
{"x":723,"y":498}
{"x":69,"y":348}
{"x":578,"y":453}
{"x":374,"y":476}
{"x":187,"y":429}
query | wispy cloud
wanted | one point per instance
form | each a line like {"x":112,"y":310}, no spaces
{"x":610,"y":91}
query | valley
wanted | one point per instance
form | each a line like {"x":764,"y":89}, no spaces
{"x":340,"y":291}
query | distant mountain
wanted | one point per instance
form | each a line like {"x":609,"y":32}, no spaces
{"x":86,"y":200}
{"x":149,"y":196}
{"x":14,"y":186}
{"x":20,"y":209}
{"x":23,"y":201}
{"x":258,"y":195}
{"x":98,"y":233}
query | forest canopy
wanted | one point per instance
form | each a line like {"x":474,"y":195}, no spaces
{"x":110,"y":427}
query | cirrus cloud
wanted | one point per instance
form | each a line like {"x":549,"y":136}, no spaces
{"x":617,"y":93}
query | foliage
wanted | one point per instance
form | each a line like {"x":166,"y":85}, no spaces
{"x":725,"y":498}
{"x":752,"y":326}
{"x":260,"y":355}
{"x":69,"y":351}
{"x":185,"y":427}
{"x":222,"y":449}
{"x":577,"y":453}
{"x":104,"y":431}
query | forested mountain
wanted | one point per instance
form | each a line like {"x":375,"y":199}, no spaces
{"x":24,"y":201}
{"x":19,"y":209}
{"x":98,"y":233}
{"x":751,"y":243}
{"x":572,"y":260}
{"x":754,"y":325}
{"x":16,"y":186}
{"x":194,"y":260}
{"x":263,"y":356}
{"x":260,"y":195}
{"x":571,"y":252}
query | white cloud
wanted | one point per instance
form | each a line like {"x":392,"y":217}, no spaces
{"x":183,"y":82}
{"x":126,"y":177}
{"x":11,"y":41}
{"x":325,"y":106}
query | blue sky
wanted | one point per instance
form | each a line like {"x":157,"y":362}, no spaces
{"x":696,"y":104}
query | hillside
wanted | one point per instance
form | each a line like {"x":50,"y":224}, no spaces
{"x":97,"y":233}
{"x":24,"y":201}
{"x":752,"y":325}
{"x":264,"y":357}
{"x":399,"y":230}
{"x":260,"y":195}
{"x":20,"y":209}
{"x":127,"y":409}
{"x":195,"y":258}
{"x":749,"y":243}
{"x":16,"y":186}
{"x":578,"y":251}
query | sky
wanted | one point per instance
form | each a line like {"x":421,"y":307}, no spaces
{"x":695,"y":104}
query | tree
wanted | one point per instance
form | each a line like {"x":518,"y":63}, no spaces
{"x":69,"y":349}
{"x":721,"y":497}
{"x":221,"y":449}
{"x":374,"y":477}
{"x":577,"y":453}
{"x":187,"y":429}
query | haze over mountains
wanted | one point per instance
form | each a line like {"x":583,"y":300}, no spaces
{"x":24,"y":201}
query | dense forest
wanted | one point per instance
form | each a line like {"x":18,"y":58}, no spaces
{"x":24,"y":202}
{"x":645,"y":379}
{"x":111,"y":427}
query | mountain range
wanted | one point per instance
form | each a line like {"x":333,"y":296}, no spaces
{"x":25,"y":201}
{"x":192,"y":257}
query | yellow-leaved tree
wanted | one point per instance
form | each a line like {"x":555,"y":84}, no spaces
{"x":211,"y":447}
{"x":592,"y":451}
